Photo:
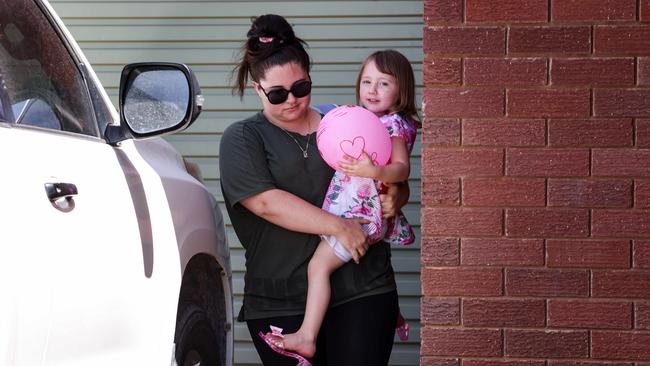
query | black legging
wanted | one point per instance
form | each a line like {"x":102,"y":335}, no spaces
{"x":359,"y":332}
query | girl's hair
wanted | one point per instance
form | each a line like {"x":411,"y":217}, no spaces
{"x":271,"y":42}
{"x":393,"y":63}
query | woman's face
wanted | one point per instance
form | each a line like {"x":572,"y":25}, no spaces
{"x":284,"y":76}
{"x":378,"y":92}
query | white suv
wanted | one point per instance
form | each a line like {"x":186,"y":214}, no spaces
{"x":111,"y":253}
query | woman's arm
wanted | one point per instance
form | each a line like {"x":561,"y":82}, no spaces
{"x":396,"y":171}
{"x":293,"y":213}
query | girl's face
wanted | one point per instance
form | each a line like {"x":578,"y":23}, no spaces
{"x":284,"y":76}
{"x":378,"y":92}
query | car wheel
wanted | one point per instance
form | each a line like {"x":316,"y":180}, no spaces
{"x":197,"y":343}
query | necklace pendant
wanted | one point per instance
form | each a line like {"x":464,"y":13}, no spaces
{"x":304,"y":154}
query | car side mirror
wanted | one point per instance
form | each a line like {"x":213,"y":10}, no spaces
{"x":155,"y":99}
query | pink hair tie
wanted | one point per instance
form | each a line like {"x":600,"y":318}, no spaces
{"x":266,"y":39}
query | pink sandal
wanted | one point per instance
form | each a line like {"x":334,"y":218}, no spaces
{"x":277,"y":332}
{"x":402,"y":331}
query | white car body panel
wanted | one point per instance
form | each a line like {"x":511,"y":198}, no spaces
{"x":92,"y":285}
{"x":68,"y":300}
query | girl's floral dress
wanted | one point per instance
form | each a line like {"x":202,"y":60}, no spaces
{"x":359,"y":197}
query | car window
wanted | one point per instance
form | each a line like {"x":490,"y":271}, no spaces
{"x":41,"y":84}
{"x":36,"y":112}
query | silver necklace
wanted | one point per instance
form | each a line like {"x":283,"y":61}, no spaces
{"x":304,"y":151}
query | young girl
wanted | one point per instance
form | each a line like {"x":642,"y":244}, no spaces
{"x":386,"y":87}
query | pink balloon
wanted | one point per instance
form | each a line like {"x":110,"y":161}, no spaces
{"x":350,"y":130}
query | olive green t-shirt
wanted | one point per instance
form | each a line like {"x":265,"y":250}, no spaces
{"x":256,"y":156}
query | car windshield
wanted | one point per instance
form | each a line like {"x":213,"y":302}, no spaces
{"x":40,"y":83}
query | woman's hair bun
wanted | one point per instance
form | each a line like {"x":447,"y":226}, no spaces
{"x":270,"y":42}
{"x":271,"y":28}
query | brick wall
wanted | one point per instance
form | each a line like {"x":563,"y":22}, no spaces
{"x":536,"y":183}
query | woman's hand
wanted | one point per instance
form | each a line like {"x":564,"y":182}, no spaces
{"x":290,"y":212}
{"x":393,"y":198}
{"x":353,"y":237}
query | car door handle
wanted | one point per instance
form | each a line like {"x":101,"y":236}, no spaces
{"x":55,"y":191}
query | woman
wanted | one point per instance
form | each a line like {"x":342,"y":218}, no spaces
{"x":274,"y":183}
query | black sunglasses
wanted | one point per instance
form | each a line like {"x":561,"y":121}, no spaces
{"x":299,"y":89}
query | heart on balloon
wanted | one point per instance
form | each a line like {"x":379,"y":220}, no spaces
{"x":353,"y":148}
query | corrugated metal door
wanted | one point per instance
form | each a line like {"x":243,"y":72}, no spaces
{"x":207,"y":35}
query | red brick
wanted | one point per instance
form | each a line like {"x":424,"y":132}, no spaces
{"x":464,"y":102}
{"x":465,"y":40}
{"x":642,"y":193}
{"x":498,"y":313}
{"x":643,"y":70}
{"x":621,"y":284}
{"x":593,"y":10}
{"x":547,"y":283}
{"x":589,"y":314}
{"x":441,"y":131}
{"x":447,"y":11}
{"x":586,"y":363}
{"x":588,"y":253}
{"x":462,"y":221}
{"x":440,"y":251}
{"x":644,"y":14}
{"x":504,"y":192}
{"x":461,"y":342}
{"x":436,"y":311}
{"x":504,"y":132}
{"x":622,"y":102}
{"x":642,"y":254}
{"x":441,"y":192}
{"x":544,"y":223}
{"x":546,"y":343}
{"x":501,"y":252}
{"x":615,"y":345}
{"x":592,"y":71}
{"x":620,"y":223}
{"x":545,"y":40}
{"x":503,"y":362}
{"x":462,"y":282}
{"x":537,"y":103}
{"x":590,"y":192}
{"x":620,"y":162}
{"x":643,"y":133}
{"x":510,"y":71}
{"x":619,"y":40}
{"x":445,"y":71}
{"x":642,"y":315}
{"x":462,"y":162}
{"x":506,"y":10}
{"x":434,"y":361}
{"x":547,"y":162}
{"x":590,"y":133}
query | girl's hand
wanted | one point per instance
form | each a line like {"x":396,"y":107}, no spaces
{"x":358,"y":168}
{"x":393,"y":198}
{"x":353,"y":237}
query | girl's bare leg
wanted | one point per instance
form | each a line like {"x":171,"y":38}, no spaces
{"x":321,"y":266}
